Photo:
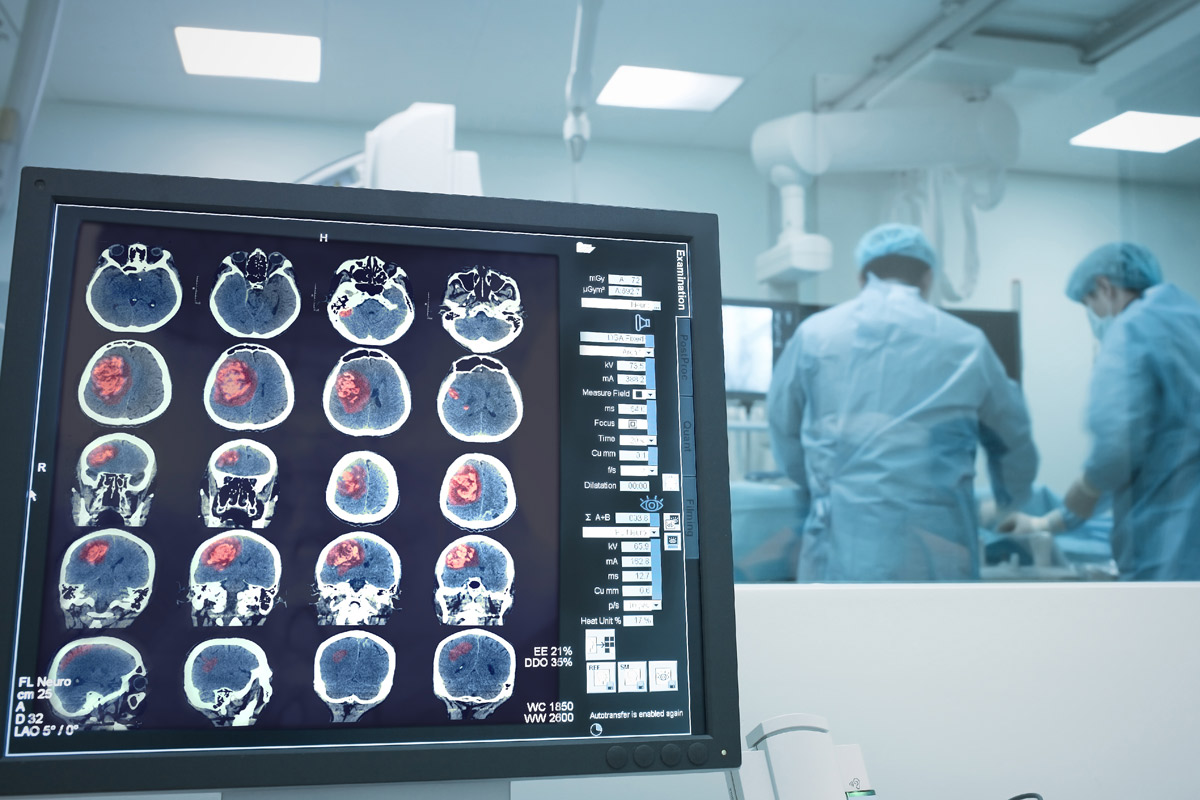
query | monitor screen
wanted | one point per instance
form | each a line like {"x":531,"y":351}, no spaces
{"x":318,"y":485}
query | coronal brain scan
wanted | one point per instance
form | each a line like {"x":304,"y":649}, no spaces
{"x":352,"y":673}
{"x":240,"y":487}
{"x":228,"y":681}
{"x":362,"y":488}
{"x":105,"y":580}
{"x":98,"y":684}
{"x":114,"y":482}
{"x":358,"y":580}
{"x":134,"y":289}
{"x":478,"y":492}
{"x":234,"y":580}
{"x":125,"y":383}
{"x":479,"y":401}
{"x":370,"y":303}
{"x":255,"y":295}
{"x":482,"y":309}
{"x":473,"y":672}
{"x":475,"y":582}
{"x":249,"y":388}
{"x":367,"y":394}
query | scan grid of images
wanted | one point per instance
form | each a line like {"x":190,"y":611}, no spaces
{"x":109,"y":575}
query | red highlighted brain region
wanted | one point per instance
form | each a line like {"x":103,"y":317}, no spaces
{"x":235,"y":384}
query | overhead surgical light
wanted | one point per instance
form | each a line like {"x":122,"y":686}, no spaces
{"x":1142,"y":131}
{"x":243,"y":54}
{"x":649,"y":87}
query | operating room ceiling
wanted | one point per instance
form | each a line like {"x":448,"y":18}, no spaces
{"x":504,"y":63}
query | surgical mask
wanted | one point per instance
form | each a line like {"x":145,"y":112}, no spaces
{"x":1099,"y":324}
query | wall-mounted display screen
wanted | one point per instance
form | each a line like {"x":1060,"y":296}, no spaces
{"x":316,"y":474}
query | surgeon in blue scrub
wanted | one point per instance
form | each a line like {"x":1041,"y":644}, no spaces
{"x":1143,"y":416}
{"x":877,"y":407}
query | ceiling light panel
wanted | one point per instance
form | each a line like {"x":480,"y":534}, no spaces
{"x":242,"y":54}
{"x":1142,"y":131}
{"x":648,"y":87}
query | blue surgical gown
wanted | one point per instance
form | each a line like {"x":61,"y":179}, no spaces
{"x":1144,"y":419}
{"x":876,"y":409}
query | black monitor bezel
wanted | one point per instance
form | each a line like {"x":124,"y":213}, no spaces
{"x":41,"y":190}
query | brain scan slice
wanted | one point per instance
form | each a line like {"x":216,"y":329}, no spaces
{"x":473,"y":671}
{"x":255,"y":295}
{"x":479,"y":401}
{"x":134,"y":289}
{"x":475,"y":582}
{"x":370,"y":303}
{"x":105,"y":580}
{"x":125,"y":383}
{"x":352,"y":673}
{"x":228,"y":681}
{"x":358,"y":580}
{"x":114,"y":480}
{"x":98,"y":684}
{"x":362,"y":488}
{"x":240,"y":487}
{"x":482,"y":309}
{"x":249,"y":388}
{"x":234,"y":580}
{"x":478,"y":493}
{"x":367,"y":394}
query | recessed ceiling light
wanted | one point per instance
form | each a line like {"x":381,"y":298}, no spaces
{"x":647,"y":87}
{"x":1142,"y":131}
{"x":242,"y":54}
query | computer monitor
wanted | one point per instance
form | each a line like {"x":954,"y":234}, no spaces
{"x":308,"y":485}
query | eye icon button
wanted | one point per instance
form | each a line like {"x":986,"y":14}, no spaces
{"x":651,"y":504}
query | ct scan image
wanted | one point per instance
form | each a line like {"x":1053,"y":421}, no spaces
{"x":134,"y":289}
{"x":353,"y":673}
{"x":228,"y":681}
{"x":479,"y":401}
{"x":255,"y":295}
{"x":370,"y":303}
{"x":473,"y":673}
{"x":362,"y":488}
{"x":475,"y":582}
{"x":240,"y":486}
{"x":105,"y":580}
{"x":125,"y":383}
{"x":249,"y":388}
{"x":234,"y":580}
{"x":114,"y":482}
{"x":478,"y":493}
{"x":367,"y":394}
{"x":358,"y":580}
{"x":482,"y":309}
{"x":98,"y":684}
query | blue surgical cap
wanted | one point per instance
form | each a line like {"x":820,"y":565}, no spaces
{"x":895,"y":239}
{"x":1125,"y":264}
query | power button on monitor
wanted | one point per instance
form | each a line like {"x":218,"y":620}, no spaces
{"x":698,"y":753}
{"x":643,"y":755}
{"x":617,"y":757}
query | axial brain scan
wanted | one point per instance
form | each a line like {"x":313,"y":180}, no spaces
{"x":352,"y":673}
{"x":255,"y":295}
{"x":358,"y":579}
{"x":362,"y":488}
{"x":228,"y":681}
{"x":478,"y":493}
{"x":234,"y":580}
{"x":370,"y":303}
{"x":240,"y":486}
{"x":105,"y":580}
{"x":473,"y":672}
{"x":125,"y":383}
{"x":475,"y":582}
{"x":479,"y":401}
{"x":249,"y":388}
{"x":367,"y":394}
{"x":134,"y":290}
{"x":113,"y":482}
{"x":98,"y":684}
{"x":482,"y":309}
